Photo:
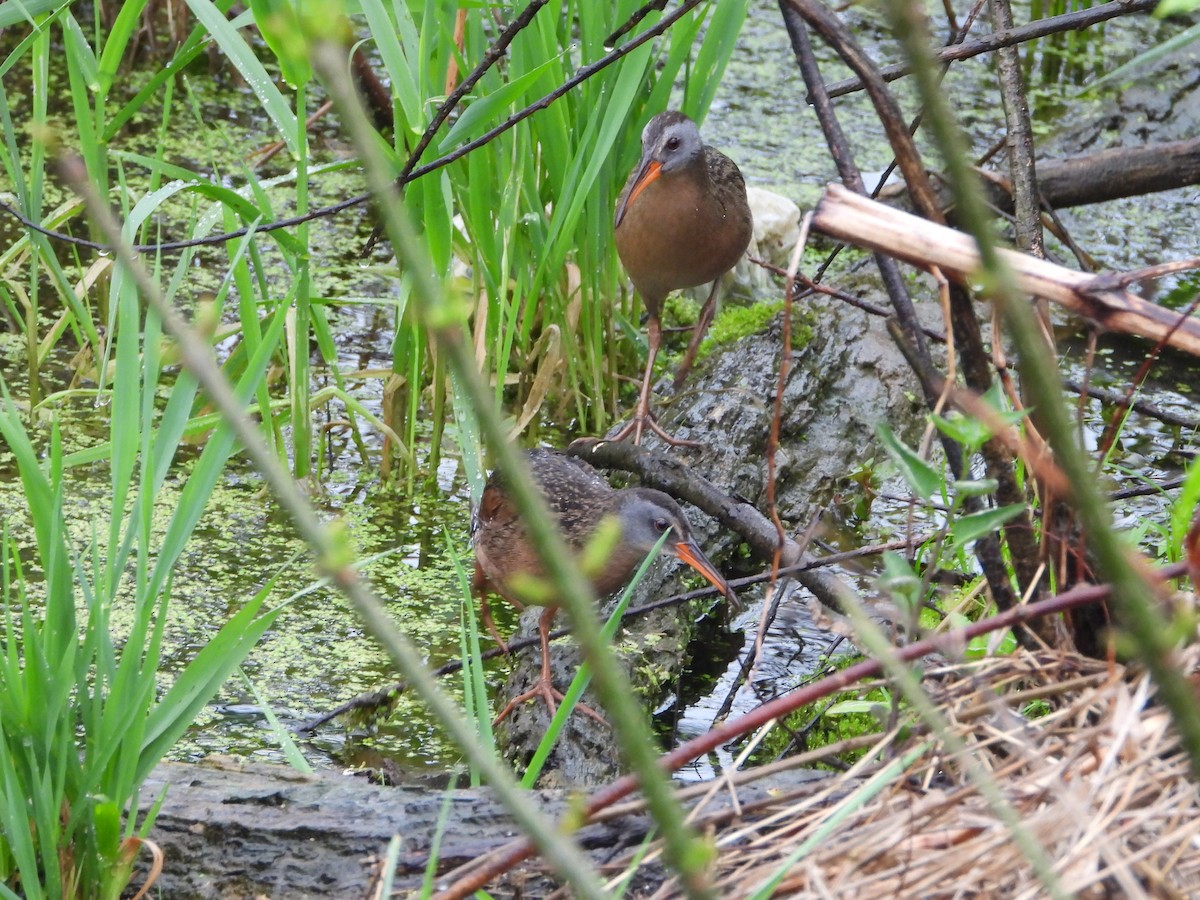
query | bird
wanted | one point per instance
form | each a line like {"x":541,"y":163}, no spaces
{"x":578,"y":499}
{"x":682,"y":220}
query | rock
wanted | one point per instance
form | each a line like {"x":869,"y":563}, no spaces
{"x":776,"y":225}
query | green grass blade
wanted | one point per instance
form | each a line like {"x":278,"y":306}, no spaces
{"x":583,"y":676}
{"x":204,"y":675}
{"x":282,"y":736}
{"x":720,"y":42}
{"x":483,"y":113}
{"x":127,"y":22}
{"x":195,"y":43}
{"x":27,"y":11}
{"x":391,"y":36}
{"x":239,"y":53}
{"x":209,"y":467}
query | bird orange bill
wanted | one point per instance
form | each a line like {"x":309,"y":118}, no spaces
{"x":691,"y":554}
{"x":647,"y":174}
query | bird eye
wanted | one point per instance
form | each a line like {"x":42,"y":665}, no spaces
{"x":673,"y":142}
{"x":661,"y":525}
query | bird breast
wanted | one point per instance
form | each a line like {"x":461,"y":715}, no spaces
{"x":679,"y":234}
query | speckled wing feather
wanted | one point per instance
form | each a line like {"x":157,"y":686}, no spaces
{"x":727,"y":180}
{"x":574,"y":491}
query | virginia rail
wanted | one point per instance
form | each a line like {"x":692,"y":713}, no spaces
{"x":682,"y":220}
{"x":578,"y":499}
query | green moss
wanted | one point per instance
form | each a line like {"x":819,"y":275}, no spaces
{"x":736,"y":322}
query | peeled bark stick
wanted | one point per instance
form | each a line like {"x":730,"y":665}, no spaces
{"x":846,"y":216}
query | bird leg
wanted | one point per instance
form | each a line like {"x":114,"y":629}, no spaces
{"x":544,"y":686}
{"x":707,"y":311}
{"x":643,"y":418}
{"x":485,"y":611}
{"x":480,"y":587}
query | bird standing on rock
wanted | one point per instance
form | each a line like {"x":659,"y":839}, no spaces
{"x":682,"y":220}
{"x":578,"y":500}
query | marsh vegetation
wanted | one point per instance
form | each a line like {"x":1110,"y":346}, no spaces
{"x":239,"y":331}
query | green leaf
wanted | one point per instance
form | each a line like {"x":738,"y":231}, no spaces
{"x":283,"y":737}
{"x":80,"y":52}
{"x":1175,"y":7}
{"x":965,"y":430}
{"x":901,"y":581}
{"x":15,"y":11}
{"x":482,"y":112}
{"x":235,"y":47}
{"x":971,"y":432}
{"x":124,"y":26}
{"x":975,"y":487}
{"x":398,"y":45}
{"x":976,"y":525}
{"x":720,"y":42}
{"x":280,"y":27}
{"x":203,"y":677}
{"x":191,"y":48}
{"x":106,"y":818}
{"x":1005,"y":642}
{"x":850,"y":707}
{"x":920,"y":475}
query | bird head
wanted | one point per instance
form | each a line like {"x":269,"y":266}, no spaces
{"x":670,"y":143}
{"x":645,"y":515}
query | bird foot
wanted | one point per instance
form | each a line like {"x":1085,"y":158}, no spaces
{"x":551,"y":696}
{"x":642,"y":421}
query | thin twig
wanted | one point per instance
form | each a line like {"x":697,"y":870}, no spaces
{"x":1072,"y":21}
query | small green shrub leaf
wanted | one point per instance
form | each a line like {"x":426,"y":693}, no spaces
{"x":486,"y":109}
{"x":920,"y":475}
{"x":969,"y":528}
{"x":976,"y":487}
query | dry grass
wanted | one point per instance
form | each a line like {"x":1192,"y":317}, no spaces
{"x":1098,"y":781}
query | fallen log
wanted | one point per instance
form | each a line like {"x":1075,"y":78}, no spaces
{"x":232,"y":829}
{"x":1110,"y":174}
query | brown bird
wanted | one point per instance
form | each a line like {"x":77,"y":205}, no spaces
{"x":682,"y":220}
{"x":578,"y":500}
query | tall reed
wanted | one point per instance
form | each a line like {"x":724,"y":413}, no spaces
{"x":535,"y":204}
{"x":84,"y":715}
